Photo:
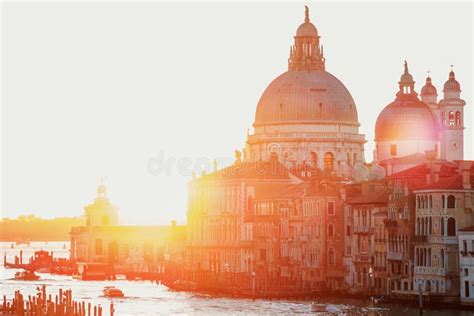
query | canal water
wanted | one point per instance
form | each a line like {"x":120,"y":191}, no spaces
{"x":146,"y":298}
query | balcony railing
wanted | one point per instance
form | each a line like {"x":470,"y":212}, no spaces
{"x":420,"y":239}
{"x":363,"y":258}
{"x":390,"y":223}
{"x":398,"y":256}
{"x":440,"y":271}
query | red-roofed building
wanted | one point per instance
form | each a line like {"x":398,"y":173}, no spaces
{"x":366,"y":232}
{"x":443,"y":208}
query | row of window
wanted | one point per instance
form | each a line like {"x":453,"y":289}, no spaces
{"x":452,"y":119}
{"x":424,"y":226}
{"x":426,"y":201}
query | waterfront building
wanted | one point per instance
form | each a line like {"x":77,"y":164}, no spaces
{"x":368,"y":210}
{"x":443,"y":208}
{"x":221,"y":233}
{"x":125,"y":249}
{"x":400,"y":225}
{"x":466,"y":264}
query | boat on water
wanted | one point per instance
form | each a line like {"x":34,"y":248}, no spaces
{"x":112,"y":291}
{"x":23,"y":242}
{"x":318,"y":307}
{"x":378,"y":299}
{"x":26,"y":276}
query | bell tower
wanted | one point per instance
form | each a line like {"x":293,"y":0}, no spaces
{"x":452,"y":120}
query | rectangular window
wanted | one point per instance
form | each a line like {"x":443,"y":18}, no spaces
{"x":105,"y":220}
{"x":393,"y":149}
{"x":98,"y":247}
{"x":331,"y":208}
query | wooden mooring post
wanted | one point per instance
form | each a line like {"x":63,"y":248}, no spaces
{"x":43,"y":305}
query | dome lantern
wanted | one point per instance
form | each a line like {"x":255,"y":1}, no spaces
{"x":306,"y":53}
{"x":406,"y":83}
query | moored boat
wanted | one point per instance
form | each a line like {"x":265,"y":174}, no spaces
{"x":112,"y":291}
{"x":318,"y":307}
{"x":26,"y":276}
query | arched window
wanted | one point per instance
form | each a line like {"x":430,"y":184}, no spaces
{"x":330,"y":231}
{"x":458,"y":118}
{"x":331,"y":256}
{"x":250,"y":204}
{"x":328,"y":161}
{"x":443,"y":200}
{"x":451,"y":118}
{"x":451,"y":201}
{"x":451,"y":227}
{"x":418,"y":201}
{"x":313,"y":163}
{"x":431,"y":201}
{"x":442,"y":226}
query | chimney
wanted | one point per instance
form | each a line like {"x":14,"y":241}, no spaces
{"x":431,"y":157}
{"x":435,"y":170}
{"x":214,"y":165}
{"x":343,"y":194}
{"x":465,"y":170}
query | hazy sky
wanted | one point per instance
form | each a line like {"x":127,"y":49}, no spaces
{"x":109,"y":89}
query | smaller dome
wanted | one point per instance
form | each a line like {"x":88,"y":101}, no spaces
{"x":452,"y":85}
{"x":406,"y":120}
{"x":428,"y":88}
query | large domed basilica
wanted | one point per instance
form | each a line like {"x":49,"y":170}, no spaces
{"x":307,"y":114}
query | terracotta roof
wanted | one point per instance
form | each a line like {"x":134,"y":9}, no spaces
{"x":416,"y":158}
{"x":254,"y":170}
{"x":467,"y":229}
{"x":307,"y":189}
{"x":375,"y":197}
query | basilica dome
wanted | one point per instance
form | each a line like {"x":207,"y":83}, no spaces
{"x":306,"y":96}
{"x":428,"y":88}
{"x":306,"y":114}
